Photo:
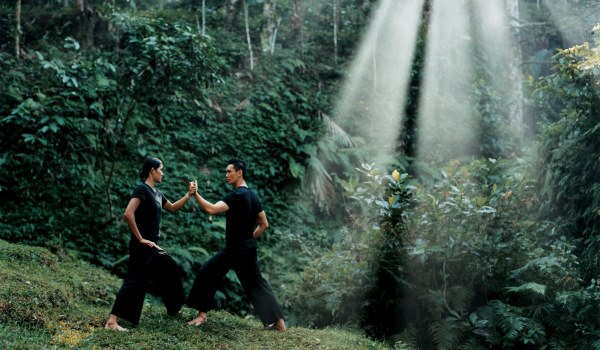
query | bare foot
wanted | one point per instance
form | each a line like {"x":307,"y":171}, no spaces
{"x":198,"y":321}
{"x":277,"y":326}
{"x":115,"y":327}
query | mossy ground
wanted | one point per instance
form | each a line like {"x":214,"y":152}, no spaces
{"x":50,"y":301}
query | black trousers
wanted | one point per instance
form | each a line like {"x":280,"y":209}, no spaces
{"x":152,"y":271}
{"x":243,"y":261}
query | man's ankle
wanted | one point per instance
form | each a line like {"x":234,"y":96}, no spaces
{"x":281,"y":325}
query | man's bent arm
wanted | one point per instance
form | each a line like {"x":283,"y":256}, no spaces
{"x":263,"y":224}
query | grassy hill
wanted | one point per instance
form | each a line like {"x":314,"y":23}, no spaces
{"x":50,"y":301}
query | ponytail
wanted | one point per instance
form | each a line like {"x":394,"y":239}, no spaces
{"x":149,"y":164}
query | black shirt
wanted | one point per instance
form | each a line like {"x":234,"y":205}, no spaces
{"x":244,"y":208}
{"x":147,"y":215}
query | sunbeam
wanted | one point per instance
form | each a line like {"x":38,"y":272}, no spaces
{"x":374,"y":92}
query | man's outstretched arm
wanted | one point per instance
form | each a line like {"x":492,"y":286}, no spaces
{"x":212,"y":209}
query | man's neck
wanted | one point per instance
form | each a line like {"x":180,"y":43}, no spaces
{"x":240,"y":184}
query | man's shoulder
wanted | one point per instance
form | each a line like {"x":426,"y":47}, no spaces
{"x":240,"y":192}
{"x":250,"y":192}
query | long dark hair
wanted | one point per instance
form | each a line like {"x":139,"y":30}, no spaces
{"x":149,"y":164}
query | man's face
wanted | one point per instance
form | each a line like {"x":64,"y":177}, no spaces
{"x":157,"y":174}
{"x":232,"y":175}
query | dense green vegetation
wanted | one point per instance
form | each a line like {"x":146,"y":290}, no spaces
{"x":497,"y":248}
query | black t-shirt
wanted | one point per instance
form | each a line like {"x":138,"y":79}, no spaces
{"x":244,"y":208}
{"x":147,"y":215}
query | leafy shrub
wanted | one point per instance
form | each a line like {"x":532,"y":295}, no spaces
{"x":568,"y":101}
{"x":474,"y":238}
{"x":333,"y":286}
{"x":463,"y":260}
{"x":80,"y":127}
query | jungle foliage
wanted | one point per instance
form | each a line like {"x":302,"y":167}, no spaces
{"x":569,"y":101}
{"x":80,"y":114}
{"x":491,"y":253}
{"x":497,"y":249}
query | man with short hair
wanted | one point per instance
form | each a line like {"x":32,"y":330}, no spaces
{"x":245,"y":223}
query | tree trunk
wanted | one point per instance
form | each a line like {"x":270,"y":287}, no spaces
{"x":201,"y":28}
{"x":269,"y":30}
{"x":87,"y":23}
{"x":203,"y":17}
{"x":18,"y":29}
{"x":92,"y":19}
{"x":231,"y":8}
{"x":110,"y":4}
{"x":274,"y":38}
{"x":297,"y":24}
{"x":248,"y":34}
{"x":336,"y":21}
{"x":516,"y":107}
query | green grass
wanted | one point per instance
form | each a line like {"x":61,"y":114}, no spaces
{"x":50,"y":301}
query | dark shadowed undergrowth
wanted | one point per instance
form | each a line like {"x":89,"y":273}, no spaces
{"x":54,"y":301}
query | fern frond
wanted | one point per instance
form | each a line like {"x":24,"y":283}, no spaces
{"x":471,"y":344}
{"x":557,"y":344}
{"x":447,"y":333}
{"x":528,"y":287}
{"x":333,"y":303}
{"x":541,"y":262}
{"x":460,"y":298}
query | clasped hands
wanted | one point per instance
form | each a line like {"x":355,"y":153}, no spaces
{"x":192,"y":188}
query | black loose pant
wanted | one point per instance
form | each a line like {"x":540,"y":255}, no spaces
{"x":149,"y":269}
{"x":243,"y":261}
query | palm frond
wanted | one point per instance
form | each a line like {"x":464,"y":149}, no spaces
{"x":335,"y":130}
{"x":320,"y":184}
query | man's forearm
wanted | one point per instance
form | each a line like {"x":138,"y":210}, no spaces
{"x":258,"y":231}
{"x":204,"y":204}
